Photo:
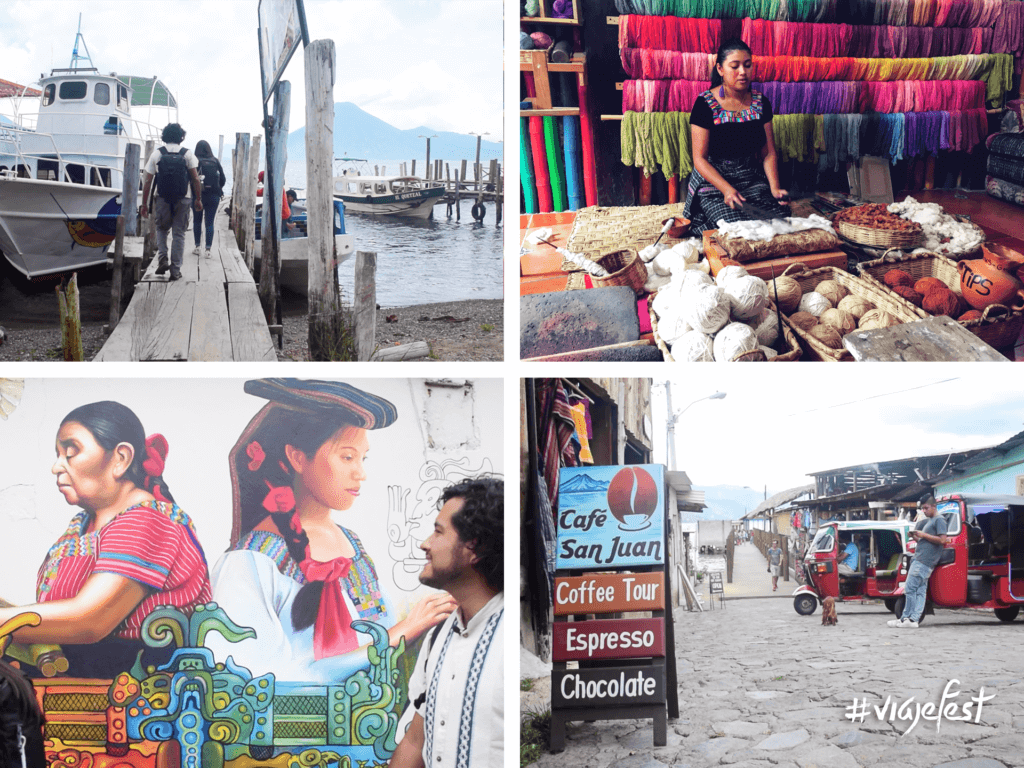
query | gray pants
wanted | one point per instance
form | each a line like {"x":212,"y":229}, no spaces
{"x":176,"y":220}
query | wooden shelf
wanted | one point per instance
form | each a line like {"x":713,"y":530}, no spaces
{"x":537,"y":63}
{"x":539,"y":20}
{"x":553,"y":112}
{"x":547,"y":15}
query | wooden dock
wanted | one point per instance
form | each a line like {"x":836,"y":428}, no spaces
{"x":212,"y":313}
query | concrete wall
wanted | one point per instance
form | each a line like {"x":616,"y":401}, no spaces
{"x":1002,"y":475}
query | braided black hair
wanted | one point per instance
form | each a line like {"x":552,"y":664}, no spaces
{"x":18,"y":708}
{"x":307,"y":432}
{"x":481,"y":521}
{"x":112,"y":423}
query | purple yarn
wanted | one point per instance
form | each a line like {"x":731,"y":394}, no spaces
{"x":562,"y":9}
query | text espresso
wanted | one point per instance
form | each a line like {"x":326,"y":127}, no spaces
{"x":582,"y":640}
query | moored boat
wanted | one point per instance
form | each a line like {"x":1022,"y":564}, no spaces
{"x":386,"y":195}
{"x":61,"y":169}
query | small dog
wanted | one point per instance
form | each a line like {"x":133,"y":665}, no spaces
{"x":828,"y":612}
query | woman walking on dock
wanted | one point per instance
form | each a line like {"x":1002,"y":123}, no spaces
{"x":212,"y":181}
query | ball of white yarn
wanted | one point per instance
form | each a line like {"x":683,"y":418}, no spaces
{"x":667,"y":261}
{"x":648,"y":253}
{"x":693,"y":347}
{"x":668,"y":300}
{"x":814,"y":303}
{"x":734,"y":339}
{"x":688,"y":250}
{"x":656,"y":282}
{"x":731,"y":272}
{"x":707,"y":308}
{"x":748,"y":295}
{"x":693,"y":278}
{"x":766,"y":327}
{"x":769,"y":352}
{"x":703,"y":265}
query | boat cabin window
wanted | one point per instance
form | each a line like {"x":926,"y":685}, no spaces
{"x":101,"y":95}
{"x":74,"y":90}
{"x":122,"y":97}
{"x":381,"y":189}
{"x":48,"y":93}
{"x":366,"y":188}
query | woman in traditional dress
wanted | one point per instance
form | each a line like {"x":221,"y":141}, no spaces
{"x":129,"y":549}
{"x":734,"y":158}
{"x":294,"y":576}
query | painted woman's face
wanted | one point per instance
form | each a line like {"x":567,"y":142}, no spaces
{"x":336,"y":472}
{"x":737,"y":70}
{"x":83,"y":467}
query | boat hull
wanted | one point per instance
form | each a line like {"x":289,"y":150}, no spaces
{"x":47,"y":227}
{"x":418,"y":204}
{"x":295,"y":259}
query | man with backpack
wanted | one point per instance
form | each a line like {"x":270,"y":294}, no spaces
{"x":174,"y":167}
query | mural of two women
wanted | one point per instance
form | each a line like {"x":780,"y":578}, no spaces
{"x":292,"y":576}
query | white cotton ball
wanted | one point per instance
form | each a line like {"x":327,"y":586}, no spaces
{"x":729,"y":273}
{"x":648,"y":253}
{"x":688,"y":250}
{"x":734,"y":339}
{"x":769,"y":353}
{"x":748,"y":295}
{"x":693,"y":347}
{"x":814,"y":303}
{"x":693,"y":278}
{"x":667,"y":262}
{"x":766,"y":327}
{"x":707,"y":308}
{"x":701,"y":266}
{"x":656,"y":282}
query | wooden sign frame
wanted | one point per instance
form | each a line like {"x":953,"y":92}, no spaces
{"x":609,"y":686}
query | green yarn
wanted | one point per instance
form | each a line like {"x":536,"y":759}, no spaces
{"x":556,"y":164}
{"x":657,"y":141}
{"x":526,"y":177}
{"x":532,"y":7}
{"x":998,"y":78}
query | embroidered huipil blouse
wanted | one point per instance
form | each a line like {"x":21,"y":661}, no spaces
{"x":256,"y":584}
{"x":732,"y":135}
{"x":153,"y":543}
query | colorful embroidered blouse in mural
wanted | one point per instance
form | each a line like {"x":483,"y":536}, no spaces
{"x":154,"y":544}
{"x":732,"y":134}
{"x":256,"y":584}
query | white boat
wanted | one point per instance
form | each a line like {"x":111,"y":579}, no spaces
{"x":61,"y":169}
{"x":386,"y":195}
{"x":293,"y":251}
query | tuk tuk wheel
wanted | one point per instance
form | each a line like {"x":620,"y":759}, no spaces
{"x":805,"y":604}
{"x":890,"y":604}
{"x":1007,"y":614}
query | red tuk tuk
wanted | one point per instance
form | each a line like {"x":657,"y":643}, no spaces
{"x":982,"y":565}
{"x":880,"y":571}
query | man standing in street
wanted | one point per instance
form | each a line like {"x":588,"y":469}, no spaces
{"x":775,"y":563}
{"x":175,"y":170}
{"x":930,"y":533}
{"x":456,"y":690}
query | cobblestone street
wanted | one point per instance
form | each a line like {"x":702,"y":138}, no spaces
{"x":760,"y":685}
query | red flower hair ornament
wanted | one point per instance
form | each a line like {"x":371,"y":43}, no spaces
{"x":279,"y":499}
{"x":256,"y":455}
{"x":153,"y":466}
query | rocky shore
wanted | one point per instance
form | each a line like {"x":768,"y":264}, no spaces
{"x":455,"y":330}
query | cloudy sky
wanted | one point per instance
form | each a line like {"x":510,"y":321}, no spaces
{"x":411,"y":63}
{"x":773,"y":429}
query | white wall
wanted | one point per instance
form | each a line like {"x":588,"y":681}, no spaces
{"x":442,"y":433}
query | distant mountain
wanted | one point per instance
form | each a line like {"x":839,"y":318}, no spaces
{"x":582,"y":484}
{"x":360,"y":134}
{"x":726,"y":502}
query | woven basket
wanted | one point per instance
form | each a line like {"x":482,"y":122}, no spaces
{"x":792,"y":346}
{"x":624,"y":268}
{"x":879,"y":238}
{"x":999,"y":326}
{"x":809,"y":279}
{"x":600,"y":230}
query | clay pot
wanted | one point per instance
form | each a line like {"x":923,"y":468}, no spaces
{"x":679,"y":228}
{"x":991,"y":280}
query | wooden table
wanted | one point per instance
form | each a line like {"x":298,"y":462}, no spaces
{"x":934,"y":339}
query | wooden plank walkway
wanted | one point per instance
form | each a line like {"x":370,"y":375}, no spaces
{"x":212,"y":313}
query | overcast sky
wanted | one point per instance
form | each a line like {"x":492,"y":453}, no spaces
{"x":411,"y":63}
{"x":774,"y":429}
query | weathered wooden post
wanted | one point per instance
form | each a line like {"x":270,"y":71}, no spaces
{"x":130,"y":189}
{"x":458,"y":191}
{"x":329,"y":339}
{"x":70,"y":321}
{"x":238,"y":182}
{"x":115,"y":278}
{"x":249,"y":204}
{"x":365,"y":305}
{"x":220,"y":147}
{"x":270,"y":235}
{"x":149,"y":225}
{"x":427,"y":165}
{"x":499,"y":197}
{"x":413,"y":170}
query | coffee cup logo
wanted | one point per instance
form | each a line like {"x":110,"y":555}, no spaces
{"x":632,"y":498}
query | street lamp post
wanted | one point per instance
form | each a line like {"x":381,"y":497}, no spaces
{"x":674,"y":417}
{"x":428,"y":138}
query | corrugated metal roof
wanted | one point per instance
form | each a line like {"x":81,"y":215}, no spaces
{"x":9,"y":89}
{"x":780,"y":498}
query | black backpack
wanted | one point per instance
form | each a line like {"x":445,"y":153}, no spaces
{"x":172,"y":175}
{"x":209,"y":169}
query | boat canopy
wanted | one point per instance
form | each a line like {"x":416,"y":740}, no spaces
{"x":13,"y":90}
{"x":149,"y":92}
